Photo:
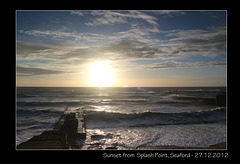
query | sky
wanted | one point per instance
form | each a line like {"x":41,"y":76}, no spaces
{"x":128,"y":48}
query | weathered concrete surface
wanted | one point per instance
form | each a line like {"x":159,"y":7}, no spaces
{"x":47,"y":140}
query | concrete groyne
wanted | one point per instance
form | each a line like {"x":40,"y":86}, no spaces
{"x":69,"y":128}
{"x":221,"y":99}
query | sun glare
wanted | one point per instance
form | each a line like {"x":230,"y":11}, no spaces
{"x":101,"y":74}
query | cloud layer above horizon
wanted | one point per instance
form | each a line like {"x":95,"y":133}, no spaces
{"x":58,"y":42}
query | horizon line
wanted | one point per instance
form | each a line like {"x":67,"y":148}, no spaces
{"x":115,"y":87}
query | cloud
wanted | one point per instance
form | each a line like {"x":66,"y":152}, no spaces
{"x":169,"y":13}
{"x":210,"y":42}
{"x":52,"y":34}
{"x":106,"y":18}
{"x":122,"y":50}
{"x":64,"y":35}
{"x":47,"y":50}
{"x":25,"y":71}
{"x":76,"y":12}
{"x":132,"y":49}
{"x":142,"y":34}
{"x":167,"y":64}
{"x":109,"y":17}
{"x":25,"y":50}
{"x":141,"y":15}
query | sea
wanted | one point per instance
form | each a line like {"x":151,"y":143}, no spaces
{"x":127,"y":117}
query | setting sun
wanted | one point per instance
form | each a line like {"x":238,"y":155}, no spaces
{"x":101,"y":74}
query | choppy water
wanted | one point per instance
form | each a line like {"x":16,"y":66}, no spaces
{"x":127,"y":117}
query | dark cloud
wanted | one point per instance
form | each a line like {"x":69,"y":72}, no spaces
{"x":27,"y":49}
{"x":132,"y":49}
{"x":25,"y":71}
{"x":211,"y":42}
{"x":121,"y":50}
{"x":163,"y":65}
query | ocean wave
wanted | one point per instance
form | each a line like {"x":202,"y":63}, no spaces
{"x":139,"y":92}
{"x":124,"y":100}
{"x":36,"y":111}
{"x":76,"y":103}
{"x":48,"y":103}
{"x":190,"y":90}
{"x":20,"y":95}
{"x":102,"y":119}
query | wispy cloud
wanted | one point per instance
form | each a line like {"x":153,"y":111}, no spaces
{"x":76,"y":12}
{"x":110,"y":17}
{"x":210,"y":42}
{"x":167,"y":64}
{"x":107,"y":17}
{"x":25,"y":71}
{"x":169,"y":13}
{"x":63,"y":35}
{"x":132,"y":49}
{"x":44,"y":50}
{"x":122,"y":50}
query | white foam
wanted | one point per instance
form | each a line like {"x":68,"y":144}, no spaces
{"x":198,"y":135}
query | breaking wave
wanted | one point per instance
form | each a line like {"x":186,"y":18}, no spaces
{"x":37,"y":111}
{"x":101,"y":119}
